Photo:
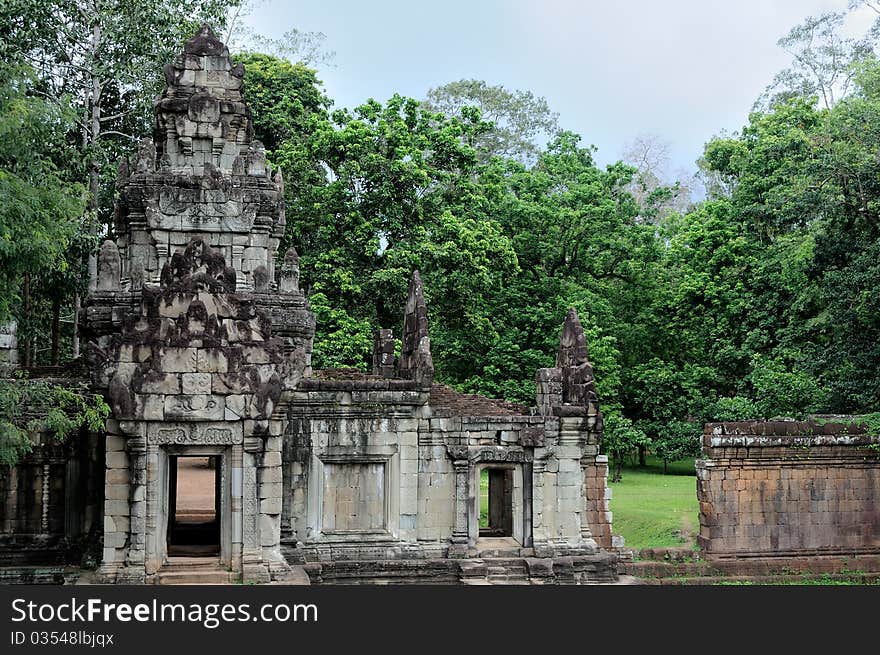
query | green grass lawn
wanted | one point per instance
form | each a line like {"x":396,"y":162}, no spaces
{"x":653,"y":510}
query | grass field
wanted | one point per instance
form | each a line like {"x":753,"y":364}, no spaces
{"x":653,"y":510}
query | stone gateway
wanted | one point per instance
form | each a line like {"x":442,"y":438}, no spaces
{"x":200,"y":337}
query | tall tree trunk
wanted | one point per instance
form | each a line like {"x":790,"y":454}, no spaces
{"x":74,"y":346}
{"x":642,"y":456}
{"x":94,"y":161}
{"x":56,"y":332}
{"x":28,"y":336}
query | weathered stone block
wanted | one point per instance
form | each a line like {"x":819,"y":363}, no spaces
{"x":195,"y":383}
{"x":199,"y":407}
{"x":270,"y":529}
{"x":270,"y":506}
{"x":211,"y":361}
{"x":115,"y":443}
{"x":117,"y":476}
{"x":178,"y":360}
{"x":116,"y":507}
{"x":273,"y":474}
{"x":117,"y":460}
{"x":150,"y":407}
{"x":270,"y":490}
{"x":158,"y":383}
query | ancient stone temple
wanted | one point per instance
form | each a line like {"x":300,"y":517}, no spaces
{"x":200,"y":338}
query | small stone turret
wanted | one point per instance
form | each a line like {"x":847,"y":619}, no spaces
{"x":108,"y":267}
{"x":570,"y":383}
{"x":415,"y":361}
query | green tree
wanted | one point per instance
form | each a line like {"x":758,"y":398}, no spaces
{"x":517,"y":117}
{"x":822,"y":61}
{"x":40,"y":207}
{"x":103,"y":57}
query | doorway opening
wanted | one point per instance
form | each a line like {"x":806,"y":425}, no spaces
{"x":194,"y":506}
{"x":496,"y":502}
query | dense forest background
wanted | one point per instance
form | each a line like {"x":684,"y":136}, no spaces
{"x":750,"y":291}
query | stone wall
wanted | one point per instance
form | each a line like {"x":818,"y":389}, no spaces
{"x":8,"y":345}
{"x":786,"y":488}
{"x":51,"y":503}
{"x":339,"y":432}
{"x":416,"y":450}
{"x":597,"y":495}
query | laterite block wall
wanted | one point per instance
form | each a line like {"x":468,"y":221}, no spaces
{"x":788,"y":488}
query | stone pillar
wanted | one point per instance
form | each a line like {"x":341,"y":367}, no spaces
{"x":117,"y":511}
{"x":134,"y":571}
{"x":11,"y":502}
{"x":157,"y":503}
{"x":236,"y":461}
{"x":253,"y":568}
{"x":539,"y":529}
{"x":44,"y":499}
{"x":270,"y":478}
{"x":383,"y":353}
{"x":459,"y":542}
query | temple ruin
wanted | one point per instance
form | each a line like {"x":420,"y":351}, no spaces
{"x":200,"y":337}
{"x":227,"y":458}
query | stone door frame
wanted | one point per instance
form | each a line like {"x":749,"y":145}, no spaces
{"x":519,"y":519}
{"x":158,"y":501}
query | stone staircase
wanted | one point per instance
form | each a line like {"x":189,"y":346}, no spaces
{"x":194,"y":570}
{"x":684,"y":566}
{"x":506,"y":571}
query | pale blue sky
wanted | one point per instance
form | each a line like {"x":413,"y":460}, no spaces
{"x":681,"y":69}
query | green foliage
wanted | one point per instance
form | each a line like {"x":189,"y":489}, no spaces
{"x":782,"y":392}
{"x":32,"y":406}
{"x":517,"y":118}
{"x":39,"y":209}
{"x":757,"y":302}
{"x":621,"y":439}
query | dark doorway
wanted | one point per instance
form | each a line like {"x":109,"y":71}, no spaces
{"x":496,"y":491}
{"x":194,"y":506}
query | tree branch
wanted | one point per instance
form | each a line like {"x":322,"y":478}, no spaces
{"x":117,"y":133}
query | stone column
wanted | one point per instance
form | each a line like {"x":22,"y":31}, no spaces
{"x":459,"y":542}
{"x":135,"y":558}
{"x":270,"y":478}
{"x":236,"y":486}
{"x":157,"y":503}
{"x":8,"y":345}
{"x":44,"y":498}
{"x":539,"y":529}
{"x":117,"y":510}
{"x":527,"y":492}
{"x":253,"y":568}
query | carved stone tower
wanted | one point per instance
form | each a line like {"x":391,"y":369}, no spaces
{"x":193,"y":335}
